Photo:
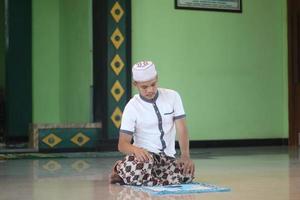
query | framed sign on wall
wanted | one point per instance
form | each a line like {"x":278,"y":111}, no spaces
{"x":213,"y":5}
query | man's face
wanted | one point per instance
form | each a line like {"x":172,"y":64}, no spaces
{"x":147,"y":89}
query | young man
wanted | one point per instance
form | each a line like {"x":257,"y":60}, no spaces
{"x":152,"y":119}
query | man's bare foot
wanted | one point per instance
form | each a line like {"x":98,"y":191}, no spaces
{"x":114,"y":178}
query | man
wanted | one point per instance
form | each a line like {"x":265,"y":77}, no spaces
{"x":152,"y":119}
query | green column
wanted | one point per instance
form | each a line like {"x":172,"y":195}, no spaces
{"x":111,"y":63}
{"x":118,"y":82}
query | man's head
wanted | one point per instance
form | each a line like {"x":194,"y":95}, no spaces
{"x":144,"y":76}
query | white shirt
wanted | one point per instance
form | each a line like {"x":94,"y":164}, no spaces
{"x":152,"y":122}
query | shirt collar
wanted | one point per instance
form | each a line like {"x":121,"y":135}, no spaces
{"x":150,"y":100}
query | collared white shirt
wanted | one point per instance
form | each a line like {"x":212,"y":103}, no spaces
{"x":152,"y":122}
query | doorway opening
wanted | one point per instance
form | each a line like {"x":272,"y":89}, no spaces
{"x":294,"y":71}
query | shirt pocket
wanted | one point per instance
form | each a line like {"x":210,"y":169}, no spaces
{"x":168,"y":115}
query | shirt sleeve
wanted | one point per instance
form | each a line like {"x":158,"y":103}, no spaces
{"x":178,"y":107}
{"x":128,"y":120}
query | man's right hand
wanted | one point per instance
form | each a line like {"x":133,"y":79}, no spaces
{"x":126,"y":147}
{"x":142,"y":155}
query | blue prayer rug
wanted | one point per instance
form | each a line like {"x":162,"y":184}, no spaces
{"x":181,"y":189}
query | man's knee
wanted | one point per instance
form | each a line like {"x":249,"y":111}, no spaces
{"x":135,"y":172}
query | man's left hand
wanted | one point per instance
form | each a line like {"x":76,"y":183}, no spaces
{"x":188,"y":165}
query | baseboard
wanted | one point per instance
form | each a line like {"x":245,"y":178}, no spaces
{"x":111,"y":145}
{"x":69,"y":137}
{"x":237,"y":143}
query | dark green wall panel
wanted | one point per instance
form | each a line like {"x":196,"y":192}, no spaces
{"x":18,"y":68}
{"x":2,"y":44}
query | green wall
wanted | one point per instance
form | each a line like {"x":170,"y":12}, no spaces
{"x":230,"y":69}
{"x":45,"y":59}
{"x":61,"y":60}
{"x":75,"y":60}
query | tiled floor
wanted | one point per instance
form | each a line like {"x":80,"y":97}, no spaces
{"x":266,"y":173}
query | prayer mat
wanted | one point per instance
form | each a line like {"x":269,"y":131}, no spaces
{"x":181,"y":189}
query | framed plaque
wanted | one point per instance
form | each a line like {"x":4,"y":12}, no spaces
{"x":213,"y":5}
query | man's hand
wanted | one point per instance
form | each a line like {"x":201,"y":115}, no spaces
{"x":142,"y":155}
{"x":188,"y":165}
{"x":126,"y":147}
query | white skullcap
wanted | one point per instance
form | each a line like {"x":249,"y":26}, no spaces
{"x":143,"y":71}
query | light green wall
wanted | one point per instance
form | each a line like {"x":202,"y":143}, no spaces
{"x":45,"y":61}
{"x":76,"y":60}
{"x":61,"y":60}
{"x":230,"y":69}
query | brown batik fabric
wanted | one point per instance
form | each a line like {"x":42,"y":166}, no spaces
{"x":161,"y":170}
